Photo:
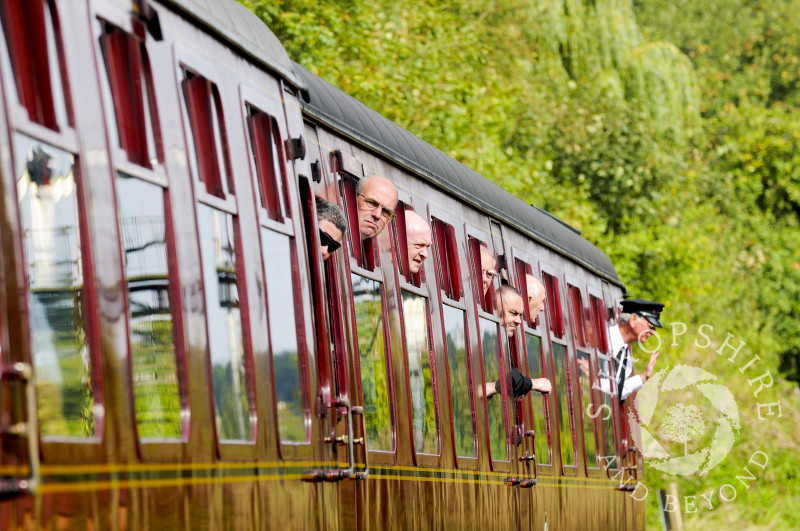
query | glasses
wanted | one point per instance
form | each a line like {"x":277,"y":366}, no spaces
{"x":370,"y":204}
{"x":489,"y":273}
{"x":326,"y":240}
{"x":650,"y":325}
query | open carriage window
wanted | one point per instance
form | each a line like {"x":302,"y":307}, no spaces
{"x":32,"y":33}
{"x":585,"y":373}
{"x":485,"y":272}
{"x":130,"y":84}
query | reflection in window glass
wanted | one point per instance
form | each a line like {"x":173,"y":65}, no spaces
{"x":372,"y":358}
{"x":459,"y":382}
{"x":283,"y":336}
{"x":589,"y":443}
{"x":423,"y":409}
{"x":463,"y":426}
{"x":155,"y":375}
{"x":218,"y":253}
{"x":48,"y":210}
{"x":534,"y":345}
{"x":609,"y":447}
{"x":491,"y":370}
{"x":563,"y":411}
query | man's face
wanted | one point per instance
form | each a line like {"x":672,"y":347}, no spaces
{"x":536,"y":296}
{"x":642,"y":328}
{"x":536,"y":305}
{"x":331,"y":230}
{"x":487,"y":269}
{"x":419,"y":241}
{"x":510,"y":308}
{"x":376,"y":203}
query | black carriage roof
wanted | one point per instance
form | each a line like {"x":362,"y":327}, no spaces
{"x":349,"y":116}
{"x":243,"y":30}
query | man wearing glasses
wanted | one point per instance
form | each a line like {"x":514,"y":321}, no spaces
{"x":487,"y":269}
{"x":637,"y":322}
{"x":376,"y":198}
{"x":332,"y":226}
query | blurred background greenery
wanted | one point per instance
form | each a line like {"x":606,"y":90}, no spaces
{"x":666,"y":130}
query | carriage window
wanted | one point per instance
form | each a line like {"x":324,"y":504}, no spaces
{"x":562,"y":397}
{"x":375,"y":384}
{"x":485,"y":271}
{"x":602,"y":381}
{"x":152,"y":346}
{"x":580,"y":323}
{"x":491,"y":370}
{"x":267,"y":153}
{"x":289,"y":358}
{"x":533,"y":345}
{"x":231,"y":362}
{"x":424,"y":416}
{"x":229,"y":372}
{"x":460,"y":393}
{"x":587,"y":407}
{"x":446,"y":254}
{"x":32,"y":34}
{"x":553,"y":305}
{"x":52,"y":246}
{"x":289,"y":385}
{"x":208,"y":133}
{"x":130,"y":86}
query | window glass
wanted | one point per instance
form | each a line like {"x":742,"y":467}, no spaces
{"x":420,"y":377}
{"x":265,"y":140}
{"x":218,"y":254}
{"x":372,"y":359}
{"x":458,"y":366}
{"x":587,"y":407}
{"x":127,"y":87}
{"x":152,"y":348}
{"x":563,"y":410}
{"x":534,"y":345}
{"x":30,"y":30}
{"x":51,"y":241}
{"x":283,"y":336}
{"x":609,"y":402}
{"x":491,"y":370}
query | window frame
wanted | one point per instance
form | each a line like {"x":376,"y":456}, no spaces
{"x":527,"y":264}
{"x":415,"y":284}
{"x":555,"y":325}
{"x":186,"y":61}
{"x":64,"y":137}
{"x":578,"y":317}
{"x":291,"y":226}
{"x":442,"y":291}
{"x":150,"y":449}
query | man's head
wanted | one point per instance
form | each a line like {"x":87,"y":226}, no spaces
{"x":419,"y":237}
{"x":510,"y":308}
{"x":487,"y":268}
{"x":639,"y":319}
{"x":536,"y":296}
{"x":376,"y":198}
{"x":332,"y":226}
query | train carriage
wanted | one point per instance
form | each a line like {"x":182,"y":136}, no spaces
{"x":176,"y":353}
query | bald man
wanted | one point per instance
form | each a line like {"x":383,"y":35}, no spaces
{"x":536,"y":296}
{"x":376,"y":197}
{"x":510,"y":308}
{"x":419,"y":238}
{"x":487,"y":268}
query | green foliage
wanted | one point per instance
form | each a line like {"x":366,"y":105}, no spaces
{"x":666,"y":130}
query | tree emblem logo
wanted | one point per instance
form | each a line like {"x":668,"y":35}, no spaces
{"x":688,"y":422}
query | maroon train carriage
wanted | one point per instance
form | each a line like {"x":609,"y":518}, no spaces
{"x":175,"y":353}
